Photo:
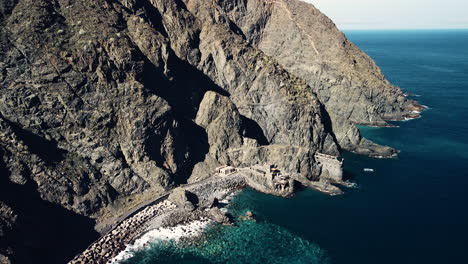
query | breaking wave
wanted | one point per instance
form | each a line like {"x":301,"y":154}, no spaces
{"x":253,"y":242}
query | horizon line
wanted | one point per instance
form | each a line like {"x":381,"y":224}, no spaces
{"x":401,"y":29}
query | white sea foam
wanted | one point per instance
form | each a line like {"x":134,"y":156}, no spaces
{"x":176,"y":233}
{"x":411,"y":95}
{"x":228,"y":198}
{"x":189,"y":230}
{"x":410,"y":118}
{"x":350,"y":184}
{"x":192,"y":229}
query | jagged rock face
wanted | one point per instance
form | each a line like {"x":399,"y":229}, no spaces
{"x":101,"y":101}
{"x":308,"y":44}
{"x":233,"y":139}
{"x":96,"y":98}
{"x":80,"y":95}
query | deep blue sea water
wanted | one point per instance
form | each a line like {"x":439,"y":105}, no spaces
{"x":413,"y":209}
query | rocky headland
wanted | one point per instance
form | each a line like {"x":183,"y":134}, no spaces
{"x":106,"y":105}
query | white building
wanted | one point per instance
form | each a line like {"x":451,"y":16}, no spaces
{"x":225,"y":170}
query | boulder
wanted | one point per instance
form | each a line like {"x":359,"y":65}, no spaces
{"x":247,"y":216}
{"x":219,"y":216}
{"x":183,"y":199}
{"x":211,"y":202}
{"x":4,"y":259}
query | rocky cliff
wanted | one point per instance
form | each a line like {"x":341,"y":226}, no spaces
{"x":106,"y":103}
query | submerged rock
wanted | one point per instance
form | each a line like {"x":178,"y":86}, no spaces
{"x":247,"y":216}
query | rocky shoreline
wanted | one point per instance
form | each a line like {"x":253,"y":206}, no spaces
{"x":197,"y":204}
{"x":182,"y":205}
{"x":182,"y":232}
{"x":104,"y":106}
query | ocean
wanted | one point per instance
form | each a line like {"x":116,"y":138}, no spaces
{"x":413,"y":209}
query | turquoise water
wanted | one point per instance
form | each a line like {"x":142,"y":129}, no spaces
{"x":413,"y":209}
{"x":258,"y":241}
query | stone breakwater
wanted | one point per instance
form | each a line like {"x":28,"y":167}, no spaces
{"x":169,"y":211}
{"x":109,"y":245}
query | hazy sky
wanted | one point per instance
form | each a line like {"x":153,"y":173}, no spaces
{"x":395,"y":14}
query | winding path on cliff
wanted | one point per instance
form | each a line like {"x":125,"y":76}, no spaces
{"x":283,"y":5}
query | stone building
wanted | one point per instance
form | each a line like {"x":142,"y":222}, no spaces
{"x":269,"y":179}
{"x":331,"y":167}
{"x":225,"y":170}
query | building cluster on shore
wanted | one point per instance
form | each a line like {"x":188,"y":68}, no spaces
{"x":269,"y":179}
{"x":200,"y":200}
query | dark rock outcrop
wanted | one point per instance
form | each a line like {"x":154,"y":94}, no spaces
{"x":308,"y":44}
{"x":219,"y":216}
{"x":183,"y":199}
{"x":103,"y":103}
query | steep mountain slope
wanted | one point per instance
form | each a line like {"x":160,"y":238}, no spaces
{"x":106,"y":103}
{"x":308,"y":44}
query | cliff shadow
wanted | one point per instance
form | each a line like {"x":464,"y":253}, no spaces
{"x":183,"y":87}
{"x":177,"y":155}
{"x":252,"y":129}
{"x":6,"y":7}
{"x":45,"y":232}
{"x":47,"y":150}
{"x":196,"y":139}
{"x":328,"y":125}
{"x":348,"y":176}
{"x":151,"y":13}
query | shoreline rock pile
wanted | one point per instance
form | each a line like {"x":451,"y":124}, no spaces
{"x":106,"y":102}
{"x":178,"y":208}
{"x":109,"y":245}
